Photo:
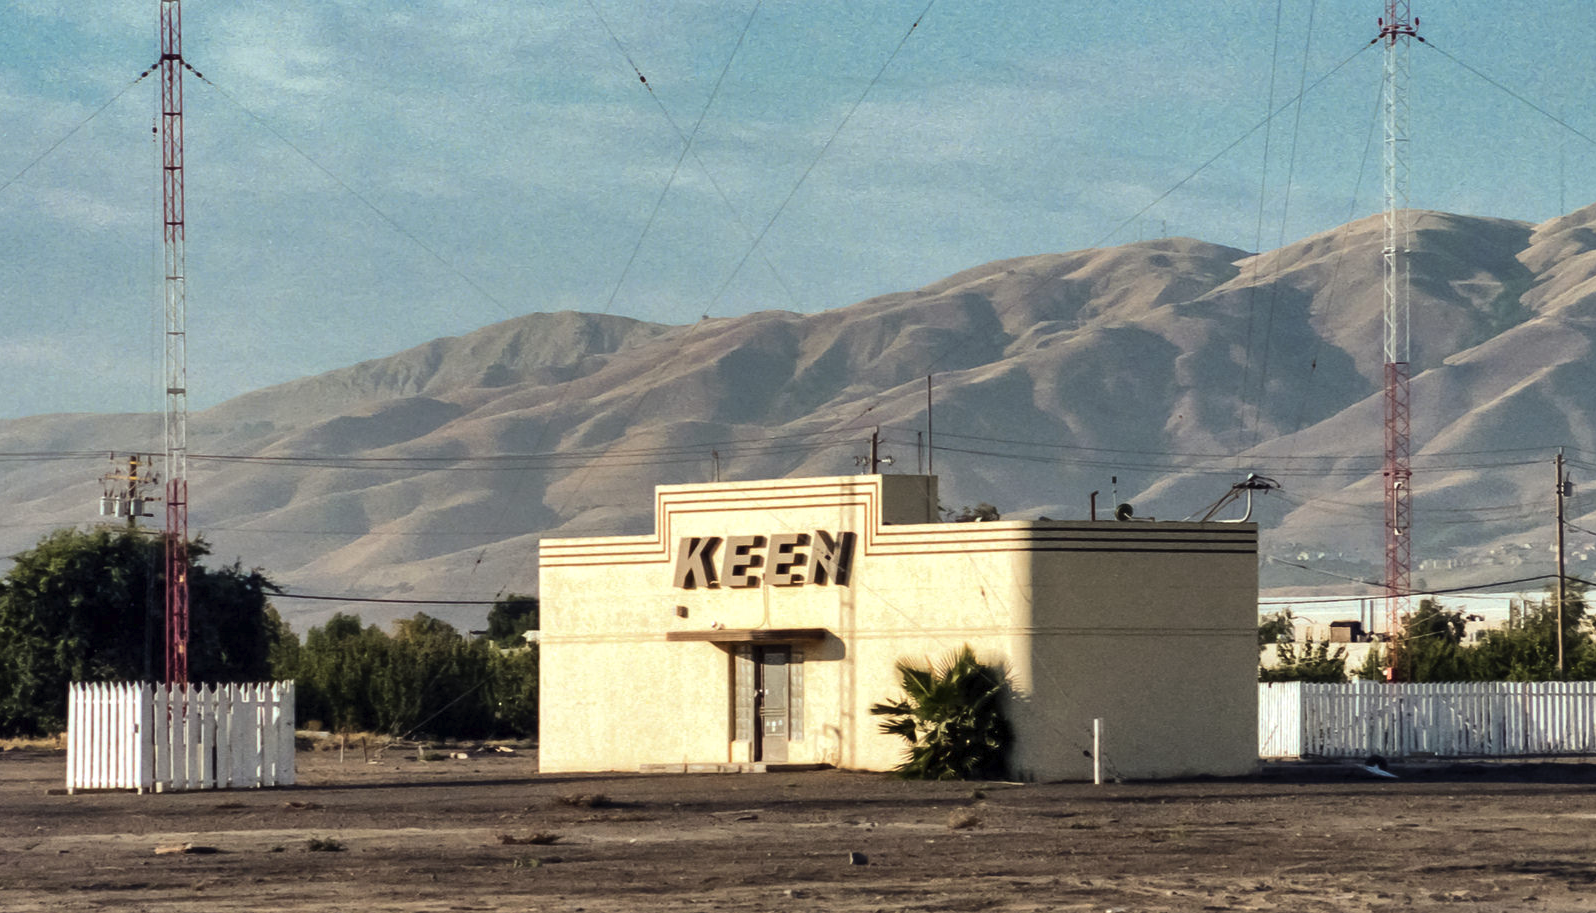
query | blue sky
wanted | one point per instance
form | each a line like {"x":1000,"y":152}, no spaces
{"x":521,"y":158}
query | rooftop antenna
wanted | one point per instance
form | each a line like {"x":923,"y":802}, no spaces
{"x":1247,"y":486}
{"x":176,"y":361}
{"x":1397,"y":29}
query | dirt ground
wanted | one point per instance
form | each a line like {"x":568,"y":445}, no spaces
{"x":408,"y":835}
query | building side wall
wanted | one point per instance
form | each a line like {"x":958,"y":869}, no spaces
{"x":1158,"y":645}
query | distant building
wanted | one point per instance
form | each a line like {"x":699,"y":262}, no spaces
{"x":759,"y":621}
{"x":1347,"y":632}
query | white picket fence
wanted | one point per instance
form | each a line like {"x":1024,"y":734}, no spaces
{"x":1475,"y":719}
{"x":144,"y":736}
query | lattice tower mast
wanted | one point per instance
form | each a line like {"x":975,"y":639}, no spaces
{"x":1397,"y":29}
{"x":176,"y":360}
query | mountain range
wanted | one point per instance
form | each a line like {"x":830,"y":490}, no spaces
{"x":1159,"y":374}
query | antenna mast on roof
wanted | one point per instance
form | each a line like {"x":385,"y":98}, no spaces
{"x":1397,"y":29}
{"x":176,"y":422}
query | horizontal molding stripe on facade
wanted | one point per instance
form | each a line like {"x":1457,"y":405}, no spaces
{"x":566,"y":553}
{"x":1023,"y":546}
{"x":1016,"y":546}
{"x":657,"y":548}
{"x":1151,"y":632}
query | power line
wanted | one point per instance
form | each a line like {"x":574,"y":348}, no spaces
{"x":357,"y":533}
{"x":730,"y":444}
{"x":284,"y":594}
{"x":1222,"y":152}
{"x":689,"y":148}
{"x":378,"y":600}
{"x":1244,"y":393}
{"x":1443,"y":591}
{"x":1001,"y":312}
{"x":809,"y":441}
{"x":365,"y":201}
{"x":818,"y":155}
{"x":76,"y":127}
{"x":1515,"y":96}
{"x":1257,"y":456}
{"x":1280,"y":242}
{"x":1341,"y":255}
{"x":1310,"y":466}
{"x":52,"y":456}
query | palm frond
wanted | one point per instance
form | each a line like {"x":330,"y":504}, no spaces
{"x":952,"y":718}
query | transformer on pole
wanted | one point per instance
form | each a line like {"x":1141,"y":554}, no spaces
{"x":125,"y":492}
{"x":176,"y":360}
{"x":1397,"y":29}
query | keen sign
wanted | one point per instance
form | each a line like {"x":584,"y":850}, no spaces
{"x":784,"y":559}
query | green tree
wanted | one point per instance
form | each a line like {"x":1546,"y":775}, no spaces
{"x":1526,"y":650}
{"x":1316,"y":663}
{"x":952,"y":717}
{"x":1372,"y":669}
{"x":515,"y":665}
{"x":425,"y":678}
{"x":1430,"y":649}
{"x":283,"y":655}
{"x":233,"y":627}
{"x":88,"y":606}
{"x":515,"y":692}
{"x":436,"y":681}
{"x":510,"y":618}
{"x":1279,"y":628}
{"x":336,"y":667}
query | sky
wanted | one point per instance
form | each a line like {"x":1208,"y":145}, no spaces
{"x":363,"y":177}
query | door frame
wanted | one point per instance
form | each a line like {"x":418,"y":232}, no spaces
{"x":751,"y":692}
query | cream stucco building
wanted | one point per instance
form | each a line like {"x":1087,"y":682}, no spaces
{"x":761,"y":620}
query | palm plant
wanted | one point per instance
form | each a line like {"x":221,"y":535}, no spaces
{"x":952,"y":717}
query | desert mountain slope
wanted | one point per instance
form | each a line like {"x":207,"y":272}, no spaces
{"x":1158,"y":373}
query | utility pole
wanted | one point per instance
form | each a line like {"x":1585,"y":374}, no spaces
{"x":176,"y":295}
{"x":1562,"y":490}
{"x":875,"y":460}
{"x":123,"y":494}
{"x":1397,"y":29}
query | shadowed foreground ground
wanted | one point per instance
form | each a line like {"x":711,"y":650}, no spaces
{"x":426,"y":836}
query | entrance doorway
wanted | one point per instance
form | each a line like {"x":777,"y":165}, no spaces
{"x":769,"y":700}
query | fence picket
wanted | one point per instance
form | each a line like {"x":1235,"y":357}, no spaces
{"x":284,"y":722}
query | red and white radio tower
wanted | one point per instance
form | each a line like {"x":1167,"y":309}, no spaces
{"x":1397,"y":30}
{"x":176,"y":424}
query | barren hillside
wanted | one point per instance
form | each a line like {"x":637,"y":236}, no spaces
{"x":1159,"y":373}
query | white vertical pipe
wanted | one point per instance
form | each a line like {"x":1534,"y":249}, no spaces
{"x":1097,"y":751}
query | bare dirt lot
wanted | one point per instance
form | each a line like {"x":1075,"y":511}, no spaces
{"x":407,"y":835}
